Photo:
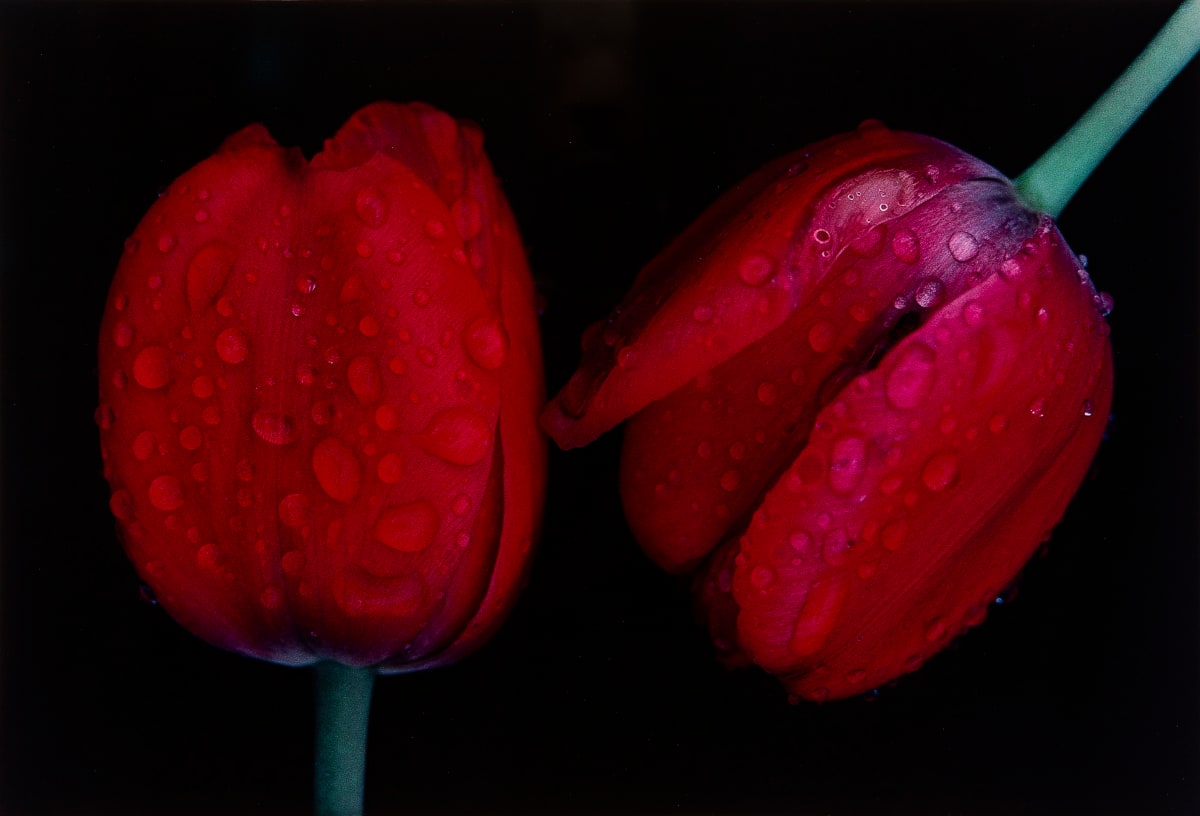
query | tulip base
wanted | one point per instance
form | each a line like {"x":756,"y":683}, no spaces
{"x":343,"y":700}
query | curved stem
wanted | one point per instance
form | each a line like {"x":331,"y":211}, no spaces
{"x":1051,"y":181}
{"x":343,"y":706}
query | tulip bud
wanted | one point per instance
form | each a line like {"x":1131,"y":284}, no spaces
{"x":863,"y":387}
{"x":319,"y":383}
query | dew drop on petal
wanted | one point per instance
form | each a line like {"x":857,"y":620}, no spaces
{"x":936,"y":630}
{"x":121,"y":505}
{"x":756,"y":269}
{"x":337,"y":469}
{"x":273,"y":427}
{"x":123,"y":335}
{"x":941,"y":471}
{"x":767,"y":393}
{"x":293,"y":510}
{"x":362,"y":374}
{"x":371,"y":207}
{"x":730,"y":480}
{"x":409,"y":528}
{"x":152,"y":367}
{"x":972,"y":313}
{"x":963,"y":246}
{"x":848,"y":463}
{"x":912,"y":377}
{"x":166,"y":493}
{"x":232,"y":346}
{"x":460,"y":436}
{"x":486,"y":343}
{"x":928,"y":293}
{"x":821,"y":337}
{"x":997,"y":423}
{"x":761,"y":578}
{"x":906,"y":246}
{"x":390,"y":468}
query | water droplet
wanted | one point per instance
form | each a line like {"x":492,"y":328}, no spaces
{"x":144,"y":445}
{"x":123,"y":334}
{"x":911,"y":379}
{"x":941,"y":471}
{"x":232,"y":346}
{"x":821,"y":236}
{"x":191,"y":438}
{"x":364,"y":249}
{"x":387,"y":417}
{"x":468,"y":217}
{"x":936,"y":630}
{"x":997,"y":423}
{"x":486,"y":342}
{"x":166,"y":493}
{"x":293,"y":510}
{"x":730,"y":480}
{"x":152,"y":367}
{"x":1010,"y":268}
{"x":963,"y":246}
{"x":202,"y":387}
{"x":121,"y":505}
{"x":409,"y":528}
{"x":273,"y":427}
{"x":435,"y":228}
{"x":822,"y":604}
{"x":166,"y":243}
{"x":457,"y":435}
{"x":371,"y":207}
{"x":906,"y":246}
{"x":761,"y":578}
{"x":702,"y":314}
{"x":390,"y":468}
{"x":972,"y":313}
{"x":626,"y":357}
{"x":756,"y":269}
{"x":836,"y":548}
{"x":207,"y":273}
{"x":821,"y":337}
{"x":364,"y":379}
{"x":928,"y":293}
{"x":337,"y":469}
{"x":1086,"y":409}
{"x":1043,"y":316}
{"x":848,"y":463}
{"x":1037,"y":408}
{"x":768,"y":393}
{"x":1105,"y":304}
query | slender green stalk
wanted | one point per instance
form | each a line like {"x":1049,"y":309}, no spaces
{"x":1051,"y":181}
{"x":343,"y":707}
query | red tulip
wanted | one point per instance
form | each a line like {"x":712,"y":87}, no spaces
{"x":863,"y":387}
{"x":319,"y":384}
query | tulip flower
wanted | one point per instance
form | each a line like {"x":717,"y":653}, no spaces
{"x":319,"y":385}
{"x":860,"y":391}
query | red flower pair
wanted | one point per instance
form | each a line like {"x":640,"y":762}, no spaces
{"x":863,"y":387}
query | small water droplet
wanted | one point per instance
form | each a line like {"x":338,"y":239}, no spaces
{"x":435,"y":228}
{"x":730,"y":480}
{"x":390,"y":468}
{"x":166,"y":243}
{"x":928,"y":293}
{"x":1037,"y":408}
{"x":761,"y":578}
{"x":371,"y":207}
{"x":362,"y":374}
{"x":273,"y":427}
{"x":912,"y":377}
{"x":972,"y":313}
{"x":848,"y":463}
{"x":767,"y":393}
{"x":702,"y":314}
{"x":408,"y":528}
{"x":293,"y":510}
{"x":232,"y":346}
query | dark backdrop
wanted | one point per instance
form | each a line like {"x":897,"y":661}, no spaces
{"x":612,"y":126}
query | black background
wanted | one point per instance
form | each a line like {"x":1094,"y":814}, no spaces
{"x":611,"y":126}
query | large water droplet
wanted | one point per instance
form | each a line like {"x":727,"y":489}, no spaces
{"x":166,"y":493}
{"x":821,"y":337}
{"x":822,"y":603}
{"x":293,"y":510}
{"x":756,"y":269}
{"x":371,"y":207}
{"x":390,"y":468}
{"x":409,"y":528}
{"x":486,"y":342}
{"x":364,"y":379}
{"x":274,"y":427}
{"x":457,"y":435}
{"x":337,"y":469}
{"x":206,"y":275}
{"x":152,"y":367}
{"x":232,"y":346}
{"x":963,"y":246}
{"x":941,"y":471}
{"x":928,"y":293}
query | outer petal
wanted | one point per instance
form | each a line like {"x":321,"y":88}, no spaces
{"x":729,"y":280}
{"x":929,"y":482}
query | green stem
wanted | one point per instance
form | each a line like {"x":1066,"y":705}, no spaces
{"x":343,"y":706}
{"x":1051,"y":181}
